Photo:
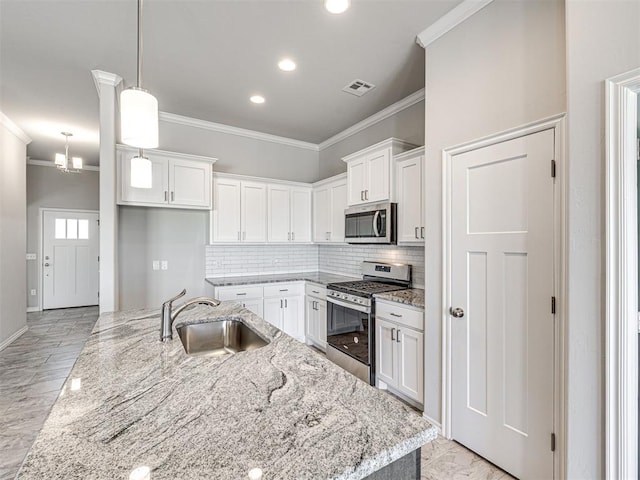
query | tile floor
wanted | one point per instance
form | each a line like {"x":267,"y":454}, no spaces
{"x":35,"y":366}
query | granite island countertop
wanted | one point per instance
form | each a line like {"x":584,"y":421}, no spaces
{"x":320,"y":278}
{"x":133,"y":401}
{"x":410,"y":296}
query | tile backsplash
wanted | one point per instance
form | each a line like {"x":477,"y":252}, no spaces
{"x":235,"y":260}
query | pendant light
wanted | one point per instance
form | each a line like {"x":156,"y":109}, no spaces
{"x":139,"y":120}
{"x":63,"y":162}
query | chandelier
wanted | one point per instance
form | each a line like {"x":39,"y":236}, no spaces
{"x":65,"y":163}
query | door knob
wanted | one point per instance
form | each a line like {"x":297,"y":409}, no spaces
{"x":46,"y":264}
{"x":456,"y":312}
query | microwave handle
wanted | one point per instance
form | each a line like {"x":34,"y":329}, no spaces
{"x":376,"y":216}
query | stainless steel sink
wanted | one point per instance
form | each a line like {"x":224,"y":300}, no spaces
{"x":212,"y":339}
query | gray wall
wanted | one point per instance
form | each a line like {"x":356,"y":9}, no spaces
{"x":13,"y":234}
{"x":603,"y":40}
{"x":49,"y":188}
{"x":406,"y":125}
{"x":147,"y":234}
{"x":242,"y":155}
{"x":501,"y":68}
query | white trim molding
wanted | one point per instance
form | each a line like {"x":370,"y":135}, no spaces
{"x":15,"y":129}
{"x":387,"y":112}
{"x":450,"y":20}
{"x":13,"y":338}
{"x":241,"y":132}
{"x":557,"y":123}
{"x":621,"y":357}
{"x":46,"y":163}
{"x":101,"y":77}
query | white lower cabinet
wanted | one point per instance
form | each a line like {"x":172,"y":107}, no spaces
{"x":255,"y":305}
{"x":400,"y":350}
{"x":316,"y":315}
{"x":287,"y":314}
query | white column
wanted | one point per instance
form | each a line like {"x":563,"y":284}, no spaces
{"x":107,"y":84}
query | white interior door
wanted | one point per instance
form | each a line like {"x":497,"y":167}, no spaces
{"x":502,"y":277}
{"x":69,"y":259}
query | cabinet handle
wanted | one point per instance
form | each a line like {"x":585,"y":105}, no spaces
{"x":173,"y":196}
{"x":395,"y":315}
{"x":238,"y":235}
{"x":244,"y":235}
{"x":392,"y":330}
{"x":366,"y":194}
{"x":285,"y":303}
{"x":280,"y":303}
{"x":398,"y":336}
{"x":166,"y":199}
{"x":315,"y":291}
{"x":284,"y":290}
{"x":328,"y":235}
{"x":362,"y":195}
{"x":416,"y":233}
{"x":240,"y":294}
{"x":293,"y":236}
{"x":421,"y":232}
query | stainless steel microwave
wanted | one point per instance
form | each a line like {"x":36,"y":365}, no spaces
{"x":371,"y":223}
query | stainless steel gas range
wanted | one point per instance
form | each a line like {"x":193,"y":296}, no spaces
{"x":351,"y":316}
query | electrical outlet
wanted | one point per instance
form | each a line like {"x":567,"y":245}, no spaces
{"x":164,"y":265}
{"x":31,"y":256}
{"x":33,"y":292}
{"x":156,"y":265}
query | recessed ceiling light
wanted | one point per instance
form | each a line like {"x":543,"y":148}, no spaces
{"x":287,"y":65}
{"x":257,"y":99}
{"x":337,"y":6}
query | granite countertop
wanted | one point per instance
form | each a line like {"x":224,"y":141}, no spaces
{"x":315,"y":277}
{"x":411,"y":296}
{"x":133,"y":401}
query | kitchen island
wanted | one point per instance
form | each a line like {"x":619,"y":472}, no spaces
{"x":132,"y":401}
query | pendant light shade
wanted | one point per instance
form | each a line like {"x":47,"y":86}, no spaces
{"x":138,"y":118}
{"x":141,"y":172}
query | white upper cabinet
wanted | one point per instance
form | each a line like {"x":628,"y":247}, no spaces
{"x":179,"y":180}
{"x":409,"y":167}
{"x":369,"y":173}
{"x":239,"y":211}
{"x":329,"y":203}
{"x":288,"y":214}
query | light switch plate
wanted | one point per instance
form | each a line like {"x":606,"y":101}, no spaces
{"x":164,"y":265}
{"x":31,"y":256}
{"x":156,"y":265}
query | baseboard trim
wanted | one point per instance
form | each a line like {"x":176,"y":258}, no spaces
{"x":33,"y":309}
{"x":13,"y":338}
{"x":433,"y":422}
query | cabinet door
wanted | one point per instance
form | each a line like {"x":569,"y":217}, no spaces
{"x":386,"y":362}
{"x":293,"y":317}
{"x":378,"y":176}
{"x":301,"y":214}
{"x":158,"y":194}
{"x":356,"y":180}
{"x":410,"y":348}
{"x":409,"y":192}
{"x":310,"y":319}
{"x":273,"y":311}
{"x":321,"y":319}
{"x":321,"y":213}
{"x":338,"y":206}
{"x":226,"y":210}
{"x":190,"y":183}
{"x":278,"y":214}
{"x":254,"y":212}
{"x":255,"y":305}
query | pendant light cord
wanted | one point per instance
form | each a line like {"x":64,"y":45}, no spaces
{"x":140,"y":44}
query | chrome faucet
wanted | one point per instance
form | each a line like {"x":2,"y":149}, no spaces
{"x":168,"y":316}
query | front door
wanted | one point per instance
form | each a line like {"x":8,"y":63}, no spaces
{"x":69,"y":259}
{"x":502,"y":284}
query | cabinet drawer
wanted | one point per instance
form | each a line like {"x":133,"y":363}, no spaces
{"x":402,"y":315}
{"x":238,"y":293}
{"x":315,"y":290}
{"x":284,"y":289}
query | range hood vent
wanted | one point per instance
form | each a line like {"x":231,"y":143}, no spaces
{"x":358,"y":87}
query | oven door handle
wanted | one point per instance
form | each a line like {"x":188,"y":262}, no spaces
{"x":376,"y":215}
{"x":352,"y":306}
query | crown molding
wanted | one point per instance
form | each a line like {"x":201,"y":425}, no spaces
{"x":13,"y":128}
{"x":241,"y":132}
{"x":375,"y":118}
{"x":46,"y":163}
{"x":450,"y":20}
{"x":101,"y":77}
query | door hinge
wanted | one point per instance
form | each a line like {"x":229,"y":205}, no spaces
{"x":98,"y":258}
{"x":553,"y":168}
{"x":553,"y":442}
{"x":553,"y":305}
{"x":98,"y":222}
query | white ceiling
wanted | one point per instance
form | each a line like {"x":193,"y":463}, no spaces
{"x":203,"y":59}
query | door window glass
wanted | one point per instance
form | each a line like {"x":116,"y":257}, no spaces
{"x":61,"y":228}
{"x":83,"y":229}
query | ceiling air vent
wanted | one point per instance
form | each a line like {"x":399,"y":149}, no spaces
{"x":358,"y":87}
